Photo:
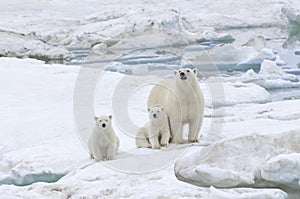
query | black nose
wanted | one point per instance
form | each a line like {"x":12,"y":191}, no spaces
{"x":154,"y":115}
{"x":103,"y":125}
{"x":182,"y":74}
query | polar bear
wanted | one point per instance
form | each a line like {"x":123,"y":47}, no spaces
{"x":183,"y":101}
{"x":103,"y":142}
{"x":156,"y":132}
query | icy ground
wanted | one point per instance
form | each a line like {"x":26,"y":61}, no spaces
{"x":50,"y":29}
{"x":45,"y":121}
{"x":39,"y":140}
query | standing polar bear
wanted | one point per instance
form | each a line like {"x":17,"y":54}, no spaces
{"x":183,"y":102}
{"x":103,"y":142}
{"x":156,"y":132}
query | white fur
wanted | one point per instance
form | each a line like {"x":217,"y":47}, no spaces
{"x":103,"y":142}
{"x":157,"y":128}
{"x":183,"y":101}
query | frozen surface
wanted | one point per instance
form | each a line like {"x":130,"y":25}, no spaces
{"x":47,"y":29}
{"x":258,"y":144}
{"x":257,"y":58}
{"x":246,"y":193}
{"x":230,"y":57}
{"x":238,"y":162}
{"x":98,"y":181}
{"x":33,"y":96}
{"x":235,"y":93}
{"x":271,"y":76}
{"x":39,"y":142}
{"x":283,"y":169}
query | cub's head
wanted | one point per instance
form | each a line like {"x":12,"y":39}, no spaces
{"x":156,"y":112}
{"x":103,"y":122}
{"x":185,"y":74}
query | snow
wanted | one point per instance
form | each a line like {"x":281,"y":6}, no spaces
{"x":15,"y":45}
{"x":99,"y":181}
{"x":283,"y":169}
{"x":234,"y":93}
{"x":238,"y":161}
{"x":227,"y":54}
{"x":246,"y":193}
{"x":34,"y":148}
{"x":31,"y":120}
{"x":230,"y":57}
{"x":270,"y":68}
{"x":35,"y":29}
{"x":271,"y":76}
{"x":258,"y":42}
{"x":257,"y":58}
{"x":249,"y":143}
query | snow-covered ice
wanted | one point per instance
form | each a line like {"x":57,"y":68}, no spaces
{"x":249,"y":142}
{"x":97,"y":181}
{"x":257,"y":58}
{"x":246,"y":193}
{"x":35,"y":29}
{"x":238,"y":162}
{"x":235,"y":93}
{"x":38,"y":98}
{"x":230,"y":57}
{"x":270,"y":76}
{"x":32,"y":123}
{"x":283,"y":169}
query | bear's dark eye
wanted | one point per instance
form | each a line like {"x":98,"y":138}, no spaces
{"x":100,"y":120}
{"x":106,"y":120}
{"x":158,"y":111}
{"x":188,"y":71}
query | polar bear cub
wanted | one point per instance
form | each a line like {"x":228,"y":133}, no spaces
{"x":103,"y":142}
{"x":156,"y":132}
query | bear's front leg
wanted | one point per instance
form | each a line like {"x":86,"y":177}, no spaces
{"x":153,"y":139}
{"x":111,"y":152}
{"x":154,"y":142}
{"x":142,"y":143}
{"x":194,"y":129}
{"x":95,"y":151}
{"x":98,"y":155}
{"x":165,"y":136}
{"x":176,"y":131}
{"x":141,"y":140}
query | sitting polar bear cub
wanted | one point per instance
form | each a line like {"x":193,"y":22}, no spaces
{"x":183,"y":102}
{"x":157,"y":128}
{"x":103,"y":142}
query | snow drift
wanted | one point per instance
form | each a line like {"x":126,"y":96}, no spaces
{"x":40,"y":27}
{"x":246,"y":161}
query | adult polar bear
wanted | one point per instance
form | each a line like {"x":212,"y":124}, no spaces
{"x":183,"y":101}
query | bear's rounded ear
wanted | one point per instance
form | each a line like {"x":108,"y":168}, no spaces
{"x":175,"y":72}
{"x":110,"y":117}
{"x":195,"y":71}
{"x":95,"y":118}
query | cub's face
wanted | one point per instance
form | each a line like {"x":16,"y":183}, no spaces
{"x":156,"y":113}
{"x":103,"y":122}
{"x":185,"y":74}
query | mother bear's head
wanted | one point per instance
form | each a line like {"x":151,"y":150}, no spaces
{"x":186,"y":74}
